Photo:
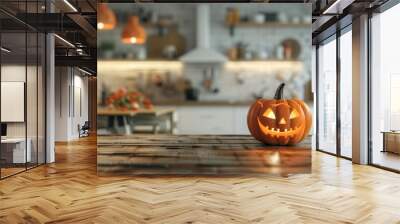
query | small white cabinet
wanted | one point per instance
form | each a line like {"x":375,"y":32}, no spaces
{"x":214,"y":120}
{"x":241,"y":120}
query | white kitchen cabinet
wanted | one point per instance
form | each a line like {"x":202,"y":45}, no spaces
{"x":205,"y":120}
{"x":241,"y":120}
{"x":214,"y":120}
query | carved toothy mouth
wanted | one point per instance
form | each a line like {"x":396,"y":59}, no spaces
{"x":276,"y":132}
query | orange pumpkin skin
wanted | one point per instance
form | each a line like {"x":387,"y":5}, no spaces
{"x":279,"y":121}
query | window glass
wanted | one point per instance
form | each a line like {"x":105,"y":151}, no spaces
{"x":346,"y":94}
{"x":385,"y":84}
{"x":327,"y":97}
{"x":22,"y":90}
{"x":15,"y":150}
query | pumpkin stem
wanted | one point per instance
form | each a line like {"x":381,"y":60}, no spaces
{"x":279,"y":92}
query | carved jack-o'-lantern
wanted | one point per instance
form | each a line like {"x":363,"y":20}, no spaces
{"x":279,"y":121}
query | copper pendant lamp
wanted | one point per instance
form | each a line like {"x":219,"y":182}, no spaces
{"x":106,"y":19}
{"x":133,"y":32}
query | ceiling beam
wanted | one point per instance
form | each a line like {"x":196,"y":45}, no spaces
{"x":49,"y":22}
{"x":337,"y":7}
{"x":84,"y":24}
{"x":77,"y":61}
{"x":320,"y":22}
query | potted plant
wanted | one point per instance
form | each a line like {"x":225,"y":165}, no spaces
{"x":107,"y":49}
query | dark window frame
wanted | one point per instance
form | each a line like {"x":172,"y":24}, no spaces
{"x":333,"y":37}
{"x":29,"y":29}
{"x":381,"y":9}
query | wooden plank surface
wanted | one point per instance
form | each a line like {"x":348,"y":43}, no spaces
{"x":198,"y":155}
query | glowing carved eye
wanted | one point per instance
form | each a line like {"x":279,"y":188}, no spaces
{"x":294,"y":114}
{"x":269,"y":113}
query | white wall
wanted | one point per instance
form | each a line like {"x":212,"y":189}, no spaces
{"x":16,"y":73}
{"x":34,"y":125}
{"x":80,"y":110}
{"x":12,"y":73}
{"x":70,"y":84}
{"x":61,"y":104}
{"x":185,"y":16}
{"x":256,"y":77}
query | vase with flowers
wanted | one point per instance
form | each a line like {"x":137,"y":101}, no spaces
{"x":123,"y":99}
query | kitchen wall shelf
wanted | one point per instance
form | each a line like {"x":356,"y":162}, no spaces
{"x":137,"y":61}
{"x":265,"y":61}
{"x":129,"y":65}
{"x":261,"y":65}
{"x":265,"y":65}
{"x":270,"y":25}
{"x":159,"y":25}
{"x":154,"y":60}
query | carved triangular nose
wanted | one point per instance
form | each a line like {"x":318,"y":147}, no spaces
{"x":282,"y":121}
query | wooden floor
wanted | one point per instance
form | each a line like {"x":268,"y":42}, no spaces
{"x":387,"y":159}
{"x":71,"y":192}
{"x":10,"y":171}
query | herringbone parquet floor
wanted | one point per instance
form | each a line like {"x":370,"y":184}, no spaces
{"x":69,"y":191}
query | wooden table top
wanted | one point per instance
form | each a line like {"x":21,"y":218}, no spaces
{"x":391,"y":132}
{"x":115,"y":112}
{"x":184,"y":140}
{"x":198,"y":155}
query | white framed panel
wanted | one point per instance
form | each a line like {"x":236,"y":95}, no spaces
{"x":12,"y":101}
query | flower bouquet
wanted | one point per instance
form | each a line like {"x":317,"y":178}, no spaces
{"x":122,"y":99}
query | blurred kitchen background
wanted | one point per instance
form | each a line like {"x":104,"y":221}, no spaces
{"x":196,"y":68}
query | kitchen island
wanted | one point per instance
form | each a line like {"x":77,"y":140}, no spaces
{"x":198,"y":155}
{"x":131,"y":118}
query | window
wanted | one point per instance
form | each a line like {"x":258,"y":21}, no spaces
{"x":327,"y":97}
{"x":385,"y":89}
{"x":346,"y":93}
{"x":22,"y":77}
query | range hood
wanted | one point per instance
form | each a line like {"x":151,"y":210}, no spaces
{"x":203,"y":53}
